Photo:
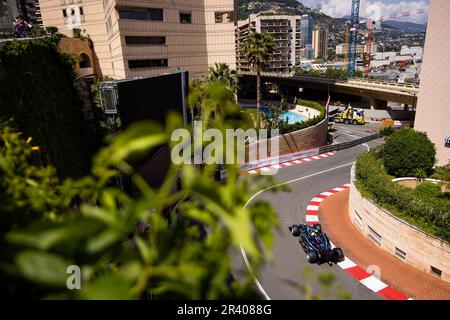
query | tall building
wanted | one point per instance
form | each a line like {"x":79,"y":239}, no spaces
{"x":8,"y":12}
{"x":141,"y":38}
{"x":433,"y":105}
{"x":31,"y":9}
{"x":360,"y":49}
{"x":306,"y":37}
{"x":285,"y":31}
{"x":320,"y":43}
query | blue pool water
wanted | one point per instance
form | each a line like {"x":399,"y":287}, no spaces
{"x":291,"y":117}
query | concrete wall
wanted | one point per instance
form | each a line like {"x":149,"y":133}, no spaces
{"x":423,"y":251}
{"x":433,"y":104}
{"x":304,"y":139}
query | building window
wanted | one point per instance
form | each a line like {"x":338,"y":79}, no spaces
{"x":185,"y":17}
{"x":223,"y":16}
{"x":64,"y":13}
{"x":149,"y":63}
{"x":142,"y":14}
{"x":81,"y":11}
{"x":142,"y":40}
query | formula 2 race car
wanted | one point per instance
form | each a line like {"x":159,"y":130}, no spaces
{"x":316,"y":244}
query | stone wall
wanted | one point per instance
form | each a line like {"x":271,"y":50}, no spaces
{"x":304,"y":139}
{"x":405,"y":241}
{"x":77,"y":47}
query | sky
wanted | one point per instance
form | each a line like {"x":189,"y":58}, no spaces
{"x":373,"y":8}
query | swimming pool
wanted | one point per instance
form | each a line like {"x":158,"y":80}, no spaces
{"x":290,"y":116}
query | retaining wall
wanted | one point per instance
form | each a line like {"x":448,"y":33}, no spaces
{"x":396,"y":236}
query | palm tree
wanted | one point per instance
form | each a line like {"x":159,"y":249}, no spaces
{"x":222,"y":73}
{"x":257,"y":49}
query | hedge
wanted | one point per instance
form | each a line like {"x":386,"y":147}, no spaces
{"x":37,"y":92}
{"x":424,"y":210}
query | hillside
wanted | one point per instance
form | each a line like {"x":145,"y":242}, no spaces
{"x":405,"y":25}
{"x":247,"y":7}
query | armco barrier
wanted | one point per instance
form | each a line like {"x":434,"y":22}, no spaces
{"x":221,"y":174}
{"x":349,"y":144}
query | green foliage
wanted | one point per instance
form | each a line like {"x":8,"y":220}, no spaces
{"x":166,"y":242}
{"x":420,"y":174}
{"x":442,"y":173}
{"x":257,"y":49}
{"x":407,"y":150}
{"x":38,"y":31}
{"x":36,"y":90}
{"x":222,"y":73}
{"x":76,"y":33}
{"x":387,"y":131}
{"x":52,"y":30}
{"x":417,"y":207}
{"x":320,"y":286}
{"x":291,"y":127}
{"x":273,"y":119}
{"x":429,"y":190}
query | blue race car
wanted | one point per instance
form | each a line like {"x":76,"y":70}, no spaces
{"x":316,"y":244}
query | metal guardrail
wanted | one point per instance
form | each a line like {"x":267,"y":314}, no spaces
{"x":330,"y":79}
{"x":349,"y":144}
{"x":222,"y":174}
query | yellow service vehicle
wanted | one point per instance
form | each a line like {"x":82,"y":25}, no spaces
{"x":349,"y":115}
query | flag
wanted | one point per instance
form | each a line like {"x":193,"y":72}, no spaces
{"x":328,"y":105}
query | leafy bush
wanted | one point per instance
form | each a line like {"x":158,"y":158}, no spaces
{"x":442,"y":173}
{"x":407,"y":150}
{"x":52,"y":30}
{"x":36,"y":90}
{"x":426,"y":211}
{"x":127,"y":248}
{"x":429,"y":189}
{"x":387,"y":131}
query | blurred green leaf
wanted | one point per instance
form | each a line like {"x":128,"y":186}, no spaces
{"x":43,"y":268}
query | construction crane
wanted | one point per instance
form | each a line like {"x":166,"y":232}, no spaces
{"x":354,"y":24}
{"x":370,"y":27}
{"x":369,"y":46}
{"x":347,"y":32}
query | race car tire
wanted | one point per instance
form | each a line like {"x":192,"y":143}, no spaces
{"x":355,"y":122}
{"x":338,"y":254}
{"x":311,"y":256}
{"x":295,"y":231}
{"x":318,"y":228}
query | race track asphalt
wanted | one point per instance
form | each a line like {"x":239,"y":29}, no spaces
{"x":306,"y":180}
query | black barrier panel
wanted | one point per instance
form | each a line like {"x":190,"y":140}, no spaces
{"x":148,"y":98}
{"x":151,"y":98}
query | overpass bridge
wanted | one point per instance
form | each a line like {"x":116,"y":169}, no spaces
{"x":380,"y":92}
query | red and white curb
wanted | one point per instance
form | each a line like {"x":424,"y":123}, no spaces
{"x":289,"y":163}
{"x":367,"y":279}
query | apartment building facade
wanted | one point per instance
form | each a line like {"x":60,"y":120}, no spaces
{"x":433,"y":104}
{"x":306,"y":42}
{"x":134,"y":38}
{"x":285,"y":30}
{"x":320,"y":43}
